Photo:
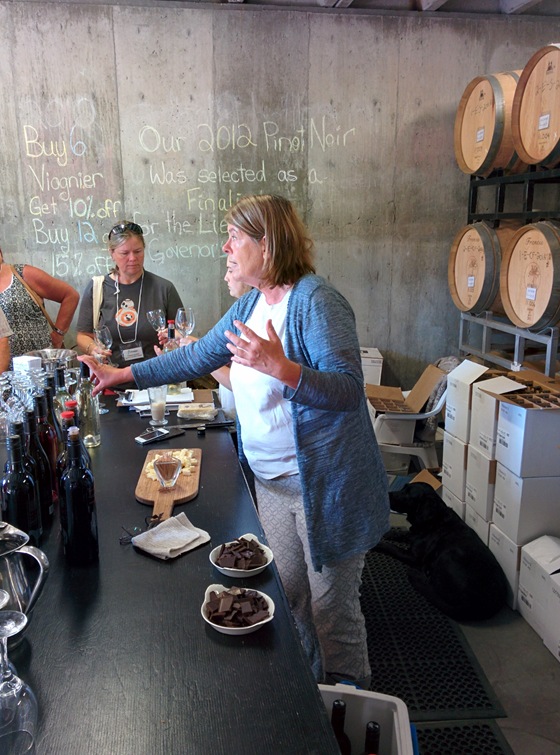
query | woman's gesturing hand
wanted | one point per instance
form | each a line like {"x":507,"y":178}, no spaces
{"x":104,"y":376}
{"x":262,"y":354}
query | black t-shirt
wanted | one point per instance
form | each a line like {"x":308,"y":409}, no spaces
{"x":123,"y":311}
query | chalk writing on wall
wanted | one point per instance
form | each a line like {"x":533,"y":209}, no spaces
{"x":72,"y":202}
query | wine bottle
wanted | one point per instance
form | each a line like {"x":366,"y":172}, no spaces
{"x":52,"y":416}
{"x":72,"y":406}
{"x":373,"y":734}
{"x":43,"y":470}
{"x":88,"y":410}
{"x":30,"y":465}
{"x":61,"y":395}
{"x":170,"y":345}
{"x":78,"y":517}
{"x":62,"y":458}
{"x":338,"y":715}
{"x":20,"y":505}
{"x":48,"y":440}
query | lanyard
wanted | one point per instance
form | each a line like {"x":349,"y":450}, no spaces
{"x":117,"y":292}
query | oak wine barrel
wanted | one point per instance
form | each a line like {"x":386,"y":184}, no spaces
{"x":530,"y":276}
{"x":535,"y":115}
{"x":482,"y":139}
{"x":473,"y":271}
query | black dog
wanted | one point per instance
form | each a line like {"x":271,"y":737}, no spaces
{"x":452,"y":568}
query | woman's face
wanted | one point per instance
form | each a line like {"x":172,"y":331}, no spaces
{"x":129,"y":257}
{"x":247,"y":256}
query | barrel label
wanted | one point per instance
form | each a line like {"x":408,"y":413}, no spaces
{"x":544,"y":121}
{"x":471,"y":280}
{"x":531,"y":293}
{"x":480,"y":135}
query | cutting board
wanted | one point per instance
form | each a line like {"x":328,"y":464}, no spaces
{"x":163,"y":500}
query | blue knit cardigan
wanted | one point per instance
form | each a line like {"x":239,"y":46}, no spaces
{"x":343,"y":479}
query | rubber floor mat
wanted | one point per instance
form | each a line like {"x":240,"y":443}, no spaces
{"x":465,"y":738}
{"x":419,"y":654}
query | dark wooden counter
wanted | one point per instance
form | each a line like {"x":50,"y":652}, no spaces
{"x":119,"y":655}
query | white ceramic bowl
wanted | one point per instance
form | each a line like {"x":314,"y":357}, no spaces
{"x":240,"y":573}
{"x":235,"y":630}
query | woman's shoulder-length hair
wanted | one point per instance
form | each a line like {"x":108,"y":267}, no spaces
{"x":290,"y":248}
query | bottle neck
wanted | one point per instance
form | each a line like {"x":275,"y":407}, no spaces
{"x":32,"y":424}
{"x":15,"y":452}
{"x":41,"y":410}
{"x":60,"y":380}
{"x":74,"y":450}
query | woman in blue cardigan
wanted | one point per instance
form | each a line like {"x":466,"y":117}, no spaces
{"x":303,"y":424}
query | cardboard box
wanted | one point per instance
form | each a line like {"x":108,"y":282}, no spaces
{"x":528,"y":434}
{"x":551,"y":629}
{"x":426,"y":476}
{"x":459,"y":398}
{"x":453,"y":502}
{"x":26,"y":363}
{"x":477,"y":523}
{"x":485,"y":409}
{"x":508,"y":555}
{"x":454,"y":465}
{"x":534,"y":380}
{"x":480,"y":482}
{"x":362,"y":706}
{"x":526,"y":507}
{"x":539,"y":560}
{"x":372,"y":365}
{"x":389,"y":400}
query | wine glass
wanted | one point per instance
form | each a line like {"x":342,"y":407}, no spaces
{"x":157,"y":319}
{"x":18,"y":706}
{"x":104,"y":340}
{"x":184,"y":321}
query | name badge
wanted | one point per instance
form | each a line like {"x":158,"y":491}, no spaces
{"x":134,"y":353}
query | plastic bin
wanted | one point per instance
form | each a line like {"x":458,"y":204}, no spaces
{"x":390,"y":713}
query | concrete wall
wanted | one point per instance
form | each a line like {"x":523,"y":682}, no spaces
{"x":167,"y":115}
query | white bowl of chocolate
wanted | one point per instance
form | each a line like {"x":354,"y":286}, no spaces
{"x":243,"y":557}
{"x":236,"y":610}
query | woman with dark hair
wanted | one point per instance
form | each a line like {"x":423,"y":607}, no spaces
{"x":121,"y":300}
{"x":303,"y":425}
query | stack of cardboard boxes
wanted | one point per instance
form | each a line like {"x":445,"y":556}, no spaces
{"x":501,"y":474}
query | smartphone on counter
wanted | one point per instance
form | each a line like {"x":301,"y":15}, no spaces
{"x":152,"y":434}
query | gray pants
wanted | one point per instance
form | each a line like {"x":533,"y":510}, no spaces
{"x":326,"y":604}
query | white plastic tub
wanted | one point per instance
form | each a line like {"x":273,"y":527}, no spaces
{"x":390,"y":713}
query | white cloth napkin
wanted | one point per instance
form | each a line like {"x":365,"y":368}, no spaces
{"x":171,"y":538}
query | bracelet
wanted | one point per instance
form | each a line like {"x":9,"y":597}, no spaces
{"x":57,"y":330}
{"x":89,"y":347}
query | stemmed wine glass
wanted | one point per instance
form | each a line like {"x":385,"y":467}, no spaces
{"x":104,"y":340}
{"x":18,"y":706}
{"x":184,"y":321}
{"x":157,"y":319}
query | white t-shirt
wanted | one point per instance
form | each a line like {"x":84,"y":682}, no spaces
{"x":264,"y":414}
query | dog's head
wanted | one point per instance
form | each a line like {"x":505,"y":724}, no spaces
{"x":421,"y":504}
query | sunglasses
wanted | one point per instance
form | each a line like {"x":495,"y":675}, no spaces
{"x":123,"y":227}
